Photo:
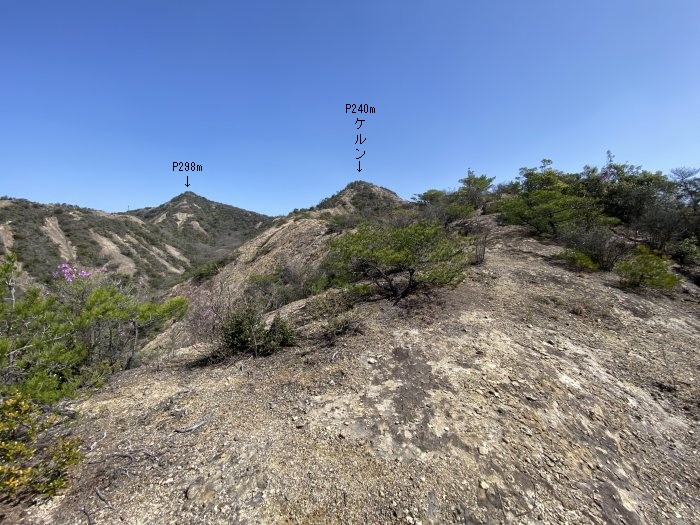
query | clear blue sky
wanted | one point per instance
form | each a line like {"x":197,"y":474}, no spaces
{"x":98,"y":98}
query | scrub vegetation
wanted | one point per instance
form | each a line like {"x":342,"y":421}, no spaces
{"x":66,"y":327}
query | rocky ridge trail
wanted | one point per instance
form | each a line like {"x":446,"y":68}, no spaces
{"x":527,"y":394}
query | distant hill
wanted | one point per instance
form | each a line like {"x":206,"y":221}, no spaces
{"x":153,"y":245}
{"x":362,"y":197}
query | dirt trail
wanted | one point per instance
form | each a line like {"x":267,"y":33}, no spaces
{"x":528,"y":394}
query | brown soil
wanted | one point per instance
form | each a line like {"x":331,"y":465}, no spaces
{"x":528,"y":394}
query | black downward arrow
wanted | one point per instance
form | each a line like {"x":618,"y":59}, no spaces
{"x":359,"y":169}
{"x":188,"y":181}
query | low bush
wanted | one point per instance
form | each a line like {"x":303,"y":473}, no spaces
{"x":342,"y":222}
{"x":79,"y":329}
{"x":288,"y":283}
{"x":206,"y":271}
{"x":579,"y":261}
{"x":601,"y":245}
{"x":243,"y":332}
{"x":347,"y":323}
{"x":279,"y":334}
{"x":335,"y":310}
{"x":686,"y":252}
{"x":397,"y":259}
{"x":331,"y":304}
{"x":361,"y":291}
{"x":443,"y":206}
{"x":646,"y":269}
{"x":33,"y":457}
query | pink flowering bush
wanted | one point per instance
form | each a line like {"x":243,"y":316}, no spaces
{"x":69,"y":273}
{"x":85,"y":325}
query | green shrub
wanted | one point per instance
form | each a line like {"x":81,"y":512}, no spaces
{"x":33,"y":458}
{"x":601,"y":245}
{"x":646,"y":269}
{"x":279,"y":334}
{"x":361,"y":291}
{"x":444,"y":206}
{"x":318,"y":284}
{"x":243,"y":331}
{"x":550,"y":211}
{"x":341,"y":222}
{"x":80,"y":328}
{"x":687,"y":251}
{"x":397,"y":259}
{"x":205,"y":272}
{"x":577,"y":260}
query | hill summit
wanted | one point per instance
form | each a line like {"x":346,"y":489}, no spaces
{"x":360,"y":197}
{"x":152,"y":245}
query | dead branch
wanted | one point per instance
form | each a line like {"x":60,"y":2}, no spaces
{"x":87,"y":515}
{"x":92,"y":447}
{"x":192,"y":428}
{"x":103,"y":499}
{"x":128,"y":455}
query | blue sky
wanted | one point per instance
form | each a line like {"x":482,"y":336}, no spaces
{"x":97,"y":99}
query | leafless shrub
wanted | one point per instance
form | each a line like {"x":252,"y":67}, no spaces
{"x":347,"y":323}
{"x":479,"y":232}
{"x":579,"y":308}
{"x":600,"y":244}
{"x":335,"y":311}
{"x":207,"y":313}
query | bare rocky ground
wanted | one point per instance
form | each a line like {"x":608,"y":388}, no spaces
{"x":528,"y":394}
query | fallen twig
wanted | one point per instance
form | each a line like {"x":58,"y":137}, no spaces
{"x":171,"y":399}
{"x":128,"y":455}
{"x":92,"y":447}
{"x":500,"y":499}
{"x":145,"y":452}
{"x":104,"y":500}
{"x":87,"y":515}
{"x":192,"y":428}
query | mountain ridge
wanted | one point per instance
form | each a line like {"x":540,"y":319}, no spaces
{"x":133,"y":243}
{"x":156,"y":245}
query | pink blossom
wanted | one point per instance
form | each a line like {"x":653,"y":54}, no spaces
{"x":69,"y":273}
